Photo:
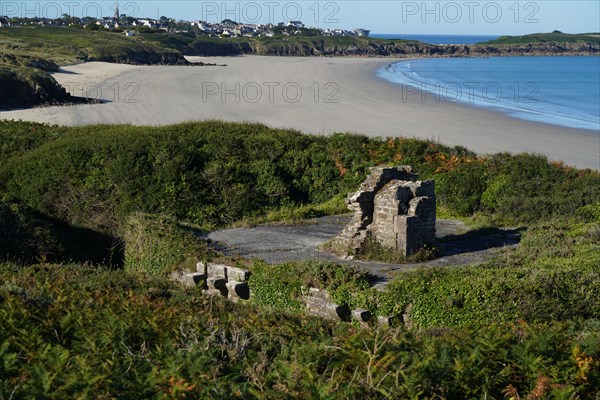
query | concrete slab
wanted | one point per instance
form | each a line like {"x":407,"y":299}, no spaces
{"x":278,"y":244}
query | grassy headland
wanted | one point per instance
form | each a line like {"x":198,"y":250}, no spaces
{"x":64,"y":45}
{"x":27,"y":53}
{"x":24,"y":86}
{"x":539,"y":44}
{"x":552,"y":37}
{"x":78,"y":202}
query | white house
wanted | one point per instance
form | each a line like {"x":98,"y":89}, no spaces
{"x":296,"y":24}
{"x":146,"y":22}
{"x":362,"y":32}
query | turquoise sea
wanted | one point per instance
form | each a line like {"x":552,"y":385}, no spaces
{"x":555,"y":90}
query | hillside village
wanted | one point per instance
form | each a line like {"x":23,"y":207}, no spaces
{"x":131,"y":26}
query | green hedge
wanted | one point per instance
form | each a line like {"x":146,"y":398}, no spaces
{"x":214,"y":173}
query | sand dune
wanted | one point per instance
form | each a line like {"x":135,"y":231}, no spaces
{"x":314,"y":95}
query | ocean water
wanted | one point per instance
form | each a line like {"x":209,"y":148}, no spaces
{"x":562,"y":91}
{"x":439,"y":39}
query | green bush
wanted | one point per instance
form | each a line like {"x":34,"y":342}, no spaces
{"x":591,"y":212}
{"x":214,"y":173}
{"x":157,"y":245}
{"x":533,"y":189}
{"x":495,"y":187}
{"x":481,"y":331}
{"x":209,"y":173}
{"x":19,"y":138}
{"x":461,"y":188}
{"x":552,"y":275}
{"x":27,"y":87}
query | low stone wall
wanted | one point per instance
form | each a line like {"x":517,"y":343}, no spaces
{"x":218,"y":279}
{"x":232,"y":283}
{"x":320,"y":304}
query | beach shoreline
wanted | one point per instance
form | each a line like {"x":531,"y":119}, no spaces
{"x":312,"y":95}
{"x":518,"y":96}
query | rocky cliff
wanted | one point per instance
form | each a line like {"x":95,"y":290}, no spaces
{"x":376,"y":48}
{"x":140,"y":57}
{"x":29,"y":87}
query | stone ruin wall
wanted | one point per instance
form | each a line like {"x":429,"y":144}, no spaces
{"x":232,"y":283}
{"x":393,"y":208}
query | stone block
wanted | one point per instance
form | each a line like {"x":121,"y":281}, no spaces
{"x":361,"y":315}
{"x":422,"y":207}
{"x":387,"y":194}
{"x":405,"y":224}
{"x":194,"y":279}
{"x":217,"y":285}
{"x":317,"y":293}
{"x":216,"y":282}
{"x":238,"y":290}
{"x":313,"y":302}
{"x":237,"y":274}
{"x":405,"y":192}
{"x":217,"y":270}
{"x":425,"y":189}
{"x":393,"y":321}
{"x":319,"y":303}
{"x":334,"y":311}
{"x":177,"y":277}
{"x":201,"y":267}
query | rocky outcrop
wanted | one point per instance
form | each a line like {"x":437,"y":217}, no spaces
{"x":362,"y":203}
{"x":29,"y":61}
{"x":29,"y":87}
{"x":142,"y":58}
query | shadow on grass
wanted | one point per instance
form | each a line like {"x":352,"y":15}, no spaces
{"x":30,"y":237}
{"x":478,"y":240}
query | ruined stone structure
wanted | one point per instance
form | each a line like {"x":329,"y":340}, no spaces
{"x":392,"y":208}
{"x":232,"y":283}
{"x":218,"y":279}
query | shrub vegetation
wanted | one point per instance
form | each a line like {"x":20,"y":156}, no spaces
{"x":81,"y":332}
{"x":215,"y":173}
{"x":76,"y":201}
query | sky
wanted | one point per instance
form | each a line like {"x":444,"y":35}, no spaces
{"x":467,"y":17}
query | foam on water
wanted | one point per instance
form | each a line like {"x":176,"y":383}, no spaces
{"x":556,"y":90}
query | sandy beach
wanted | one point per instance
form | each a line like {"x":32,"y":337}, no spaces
{"x":313,"y":95}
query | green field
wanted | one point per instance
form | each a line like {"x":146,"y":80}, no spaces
{"x":94,"y":218}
